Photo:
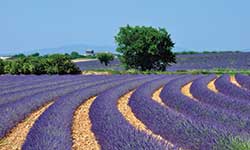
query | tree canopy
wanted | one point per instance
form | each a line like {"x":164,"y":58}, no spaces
{"x":145,"y":48}
{"x":34,"y":55}
{"x":105,"y":58}
{"x":75,"y":55}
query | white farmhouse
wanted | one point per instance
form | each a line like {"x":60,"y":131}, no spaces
{"x":4,"y":57}
{"x":89,"y":52}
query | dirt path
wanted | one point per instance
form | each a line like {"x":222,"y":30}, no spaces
{"x":211,"y":86}
{"x":83,"y":137}
{"x":16,"y":137}
{"x":156,"y":97}
{"x":185,"y":90}
{"x":234,"y":81}
{"x":126,"y":111}
{"x":83,"y":60}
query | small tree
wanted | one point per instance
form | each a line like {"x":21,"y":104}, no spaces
{"x":145,"y":48}
{"x":75,"y":55}
{"x":34,"y":55}
{"x":105,"y":58}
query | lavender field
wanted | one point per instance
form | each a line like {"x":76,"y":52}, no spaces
{"x":223,"y":60}
{"x":228,"y":60}
{"x":124,"y":112}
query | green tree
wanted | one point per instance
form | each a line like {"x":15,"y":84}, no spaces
{"x":21,"y":55}
{"x":105,"y":58}
{"x":34,"y":55}
{"x":1,"y":66}
{"x":75,"y":55}
{"x":145,"y":48}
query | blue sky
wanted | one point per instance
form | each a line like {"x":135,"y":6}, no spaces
{"x":193,"y":24}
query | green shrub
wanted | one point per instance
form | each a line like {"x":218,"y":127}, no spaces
{"x":34,"y":65}
{"x":51,"y":64}
{"x":60,"y":64}
{"x":13,"y":67}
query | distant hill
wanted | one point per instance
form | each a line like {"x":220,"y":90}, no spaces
{"x":81,"y":48}
{"x":246,"y":50}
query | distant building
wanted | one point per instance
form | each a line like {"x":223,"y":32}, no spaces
{"x":89,"y":52}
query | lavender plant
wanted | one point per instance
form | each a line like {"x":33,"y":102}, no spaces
{"x":243,"y":80}
{"x":201,"y":92}
{"x":111,"y":128}
{"x":224,"y":85}
{"x":12,"y":113}
{"x":201,"y":112}
{"x":53,"y":129}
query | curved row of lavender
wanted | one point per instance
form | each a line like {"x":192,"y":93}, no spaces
{"x":53,"y":128}
{"x":12,"y":113}
{"x":186,"y":123}
{"x":13,"y":96}
{"x":172,"y":125}
{"x":8,"y":81}
{"x":110,"y":127}
{"x":40,"y":83}
{"x":224,"y":85}
{"x":218,"y":100}
{"x":221,"y":120}
{"x":243,"y":80}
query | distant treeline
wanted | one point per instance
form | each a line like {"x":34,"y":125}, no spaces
{"x":35,"y":64}
{"x":205,"y":52}
{"x":72,"y":55}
